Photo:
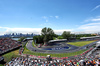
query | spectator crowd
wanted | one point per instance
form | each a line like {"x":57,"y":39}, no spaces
{"x":7,"y":44}
{"x":79,"y":60}
{"x":24,"y":61}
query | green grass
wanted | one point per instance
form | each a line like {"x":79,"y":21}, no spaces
{"x":8,"y":56}
{"x":54,"y":55}
{"x":26,"y":51}
{"x":33,"y":44}
{"x":1,"y":65}
{"x":81,"y":43}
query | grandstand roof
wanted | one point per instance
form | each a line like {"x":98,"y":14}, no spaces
{"x":98,"y":43}
{"x":90,"y":37}
{"x":57,"y":40}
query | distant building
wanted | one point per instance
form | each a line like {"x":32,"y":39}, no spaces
{"x":18,"y":35}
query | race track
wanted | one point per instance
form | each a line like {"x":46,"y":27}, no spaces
{"x":71,"y":48}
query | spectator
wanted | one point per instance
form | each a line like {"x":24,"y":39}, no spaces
{"x":7,"y":44}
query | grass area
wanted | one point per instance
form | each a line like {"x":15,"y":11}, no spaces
{"x":81,"y":43}
{"x":33,"y":44}
{"x":26,"y":51}
{"x":1,"y":65}
{"x":8,"y":56}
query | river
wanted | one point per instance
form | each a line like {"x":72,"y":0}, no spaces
{"x":18,"y":38}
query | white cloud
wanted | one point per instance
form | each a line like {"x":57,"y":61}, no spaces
{"x":90,"y":27}
{"x":28,"y":30}
{"x":2,"y":33}
{"x":51,"y":16}
{"x":4,"y":27}
{"x":47,"y":24}
{"x":56,"y":17}
{"x":46,"y":20}
{"x":98,"y":19}
{"x":62,"y":30}
{"x":98,"y":6}
{"x":92,"y":19}
{"x":20,"y":30}
{"x":44,"y":17}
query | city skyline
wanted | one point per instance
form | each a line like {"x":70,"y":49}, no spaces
{"x":30,"y":16}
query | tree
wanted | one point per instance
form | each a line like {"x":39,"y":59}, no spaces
{"x":21,"y":39}
{"x":60,"y":37}
{"x":83,"y":35}
{"x":48,"y":34}
{"x":66,"y":35}
{"x":38,"y":39}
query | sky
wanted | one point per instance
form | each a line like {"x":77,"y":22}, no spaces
{"x":30,"y":16}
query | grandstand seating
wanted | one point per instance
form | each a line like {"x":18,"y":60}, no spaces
{"x":7,"y":44}
{"x":79,"y":61}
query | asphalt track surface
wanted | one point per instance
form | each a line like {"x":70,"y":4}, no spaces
{"x":71,"y":48}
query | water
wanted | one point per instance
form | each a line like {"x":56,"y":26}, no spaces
{"x":18,"y":38}
{"x":15,"y":38}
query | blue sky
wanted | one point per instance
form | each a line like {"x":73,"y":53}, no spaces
{"x":29,"y":16}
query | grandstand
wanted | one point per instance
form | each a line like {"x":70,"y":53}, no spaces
{"x":7,"y":44}
{"x":79,"y":60}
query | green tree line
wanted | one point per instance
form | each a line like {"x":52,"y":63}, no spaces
{"x":48,"y":34}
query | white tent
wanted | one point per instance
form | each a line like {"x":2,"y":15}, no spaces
{"x":98,"y":43}
{"x":48,"y":55}
{"x":57,"y":40}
